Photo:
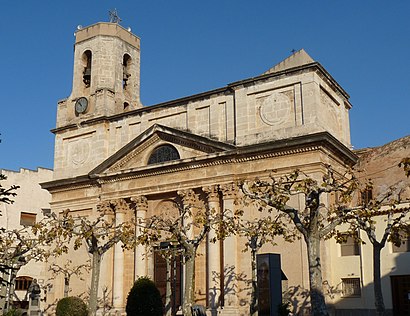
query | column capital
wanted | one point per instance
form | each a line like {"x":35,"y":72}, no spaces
{"x":229,"y":190}
{"x":113,"y":206}
{"x":141,"y":202}
{"x":188,"y":196}
{"x":212,"y":193}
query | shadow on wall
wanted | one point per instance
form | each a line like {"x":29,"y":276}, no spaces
{"x":233,"y":284}
{"x":395,"y":287}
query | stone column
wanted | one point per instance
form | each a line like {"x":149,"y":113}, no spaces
{"x":214,"y":253}
{"x":140,"y":250}
{"x":230,"y":272}
{"x":121,"y":207}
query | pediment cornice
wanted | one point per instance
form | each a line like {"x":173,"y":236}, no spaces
{"x":302,"y":144}
{"x":122,"y":160}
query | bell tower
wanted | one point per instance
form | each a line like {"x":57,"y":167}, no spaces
{"x":106,"y":79}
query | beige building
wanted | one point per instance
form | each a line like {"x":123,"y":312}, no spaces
{"x":29,"y":207}
{"x":350,"y":284}
{"x":109,"y":147}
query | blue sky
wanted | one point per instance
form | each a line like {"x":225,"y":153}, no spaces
{"x":190,"y":46}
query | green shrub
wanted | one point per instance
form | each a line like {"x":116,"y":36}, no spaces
{"x":144,"y":299}
{"x":13,"y":312}
{"x":71,"y":306}
{"x":284,"y":309}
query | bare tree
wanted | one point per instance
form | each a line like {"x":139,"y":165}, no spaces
{"x":383,"y":220}
{"x":17,"y":248}
{"x":68,"y":270}
{"x":257,"y":231}
{"x":6,"y":194}
{"x":314,"y":221}
{"x":99,"y":235}
{"x":188,"y":229}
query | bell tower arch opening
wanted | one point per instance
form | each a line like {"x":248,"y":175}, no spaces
{"x":126,"y":73}
{"x":106,"y":74}
{"x":86,"y":63}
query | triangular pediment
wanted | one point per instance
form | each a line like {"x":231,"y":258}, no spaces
{"x":135,"y":154}
{"x":297,"y":59}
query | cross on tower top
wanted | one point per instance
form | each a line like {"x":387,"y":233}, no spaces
{"x":114,"y":18}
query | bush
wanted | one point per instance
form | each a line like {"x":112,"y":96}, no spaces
{"x":71,"y":306}
{"x":14,"y":312}
{"x":284,"y":309}
{"x":144,"y":299}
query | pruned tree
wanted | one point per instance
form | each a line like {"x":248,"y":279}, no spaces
{"x":99,"y":234}
{"x":7,"y":194}
{"x":383,"y":219}
{"x":257,"y":232}
{"x":68,"y":270}
{"x":314,"y":220}
{"x":17,"y":248}
{"x":188,"y":229}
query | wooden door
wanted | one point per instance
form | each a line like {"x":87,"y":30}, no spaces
{"x":160,"y":278}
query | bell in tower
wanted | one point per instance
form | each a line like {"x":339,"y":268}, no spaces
{"x":87,"y":69}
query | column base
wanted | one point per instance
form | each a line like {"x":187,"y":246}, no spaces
{"x":229,"y":310}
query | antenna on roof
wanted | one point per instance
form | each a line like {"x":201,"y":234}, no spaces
{"x":293,"y":51}
{"x":114,"y":18}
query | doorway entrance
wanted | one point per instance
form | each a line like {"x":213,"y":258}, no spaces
{"x":400,"y":285}
{"x":160,"y":279}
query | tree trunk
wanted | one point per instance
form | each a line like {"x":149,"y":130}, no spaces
{"x":189,"y":295}
{"x":3,"y":291}
{"x":378,"y":295}
{"x":66,"y":285}
{"x":95,"y":278}
{"x":254,"y":301}
{"x":168,"y":292}
{"x":317,"y":299}
{"x":13,"y":275}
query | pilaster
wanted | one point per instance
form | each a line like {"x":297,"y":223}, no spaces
{"x":214,"y":253}
{"x":140,"y":250}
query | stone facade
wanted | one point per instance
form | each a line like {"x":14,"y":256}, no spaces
{"x":381,"y":166}
{"x":293,"y":116}
{"x":30,"y":204}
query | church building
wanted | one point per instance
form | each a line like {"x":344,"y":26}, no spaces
{"x":110,"y":147}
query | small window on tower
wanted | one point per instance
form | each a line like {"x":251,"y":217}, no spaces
{"x":126,"y":62}
{"x":87,"y":59}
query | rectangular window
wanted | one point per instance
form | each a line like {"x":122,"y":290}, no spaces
{"x":27,"y":219}
{"x":351,"y":287}
{"x":22,"y":283}
{"x":404,"y":246}
{"x":366,"y":196}
{"x":350,"y":247}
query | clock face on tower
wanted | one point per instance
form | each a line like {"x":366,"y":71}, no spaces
{"x":81,"y":105}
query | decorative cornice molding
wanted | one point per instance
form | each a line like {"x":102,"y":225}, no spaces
{"x":121,"y":163}
{"x":303,"y":144}
{"x":199,"y":164}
